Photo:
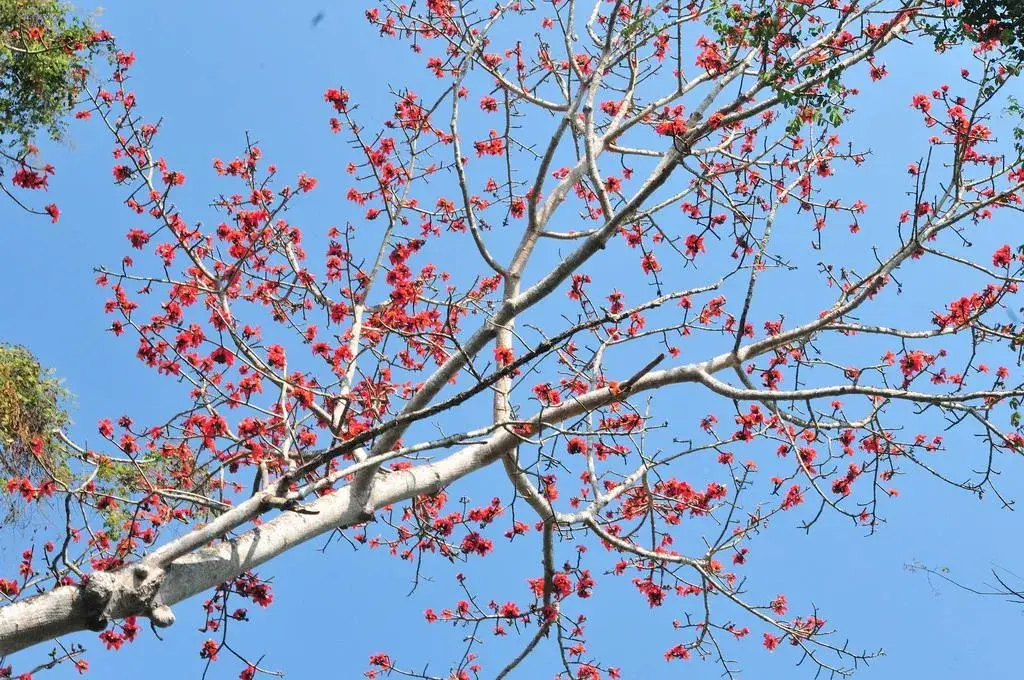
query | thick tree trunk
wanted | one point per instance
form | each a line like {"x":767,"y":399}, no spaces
{"x":149,"y":587}
{"x":74,"y":608}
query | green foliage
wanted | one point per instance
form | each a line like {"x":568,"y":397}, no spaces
{"x":996,"y":18}
{"x":1015,"y":110}
{"x":973,"y":21}
{"x":44,"y":49}
{"x":33,"y":407}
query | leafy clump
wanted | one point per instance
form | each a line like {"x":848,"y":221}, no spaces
{"x":1003,"y":19}
{"x":33,"y":409}
{"x":44,"y":49}
{"x":974,"y":21}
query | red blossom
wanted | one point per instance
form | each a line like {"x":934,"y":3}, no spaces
{"x":492,"y":146}
{"x":1002,"y":256}
{"x":694,"y":245}
{"x":337,"y":98}
{"x":209,"y":650}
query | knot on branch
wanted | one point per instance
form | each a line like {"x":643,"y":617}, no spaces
{"x":127,"y":592}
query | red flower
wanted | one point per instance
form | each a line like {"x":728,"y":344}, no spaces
{"x":578,"y":281}
{"x":1000,"y":258}
{"x":131,"y":629}
{"x":509,"y":610}
{"x":492,"y":146}
{"x":671,"y":128}
{"x":546,"y":394}
{"x":26,"y":178}
{"x":561,"y":584}
{"x":771,"y":641}
{"x":518,"y":208}
{"x":577,"y":445}
{"x":677,"y":652}
{"x":504,"y":355}
{"x":913,"y":363}
{"x":649,"y":263}
{"x":338,"y":98}
{"x":173,"y":178}
{"x":112,"y":639}
{"x":138,"y":238}
{"x":53,"y":211}
{"x":694,"y":245}
{"x":275,"y":356}
{"x":710,"y":57}
{"x":222,"y":355}
{"x":585,"y":584}
{"x":474,"y":542}
{"x":209,"y":650}
{"x":655,"y":595}
{"x":793,"y":498}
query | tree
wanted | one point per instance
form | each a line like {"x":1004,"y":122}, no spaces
{"x":44,"y":64}
{"x":32,"y":413}
{"x":999,"y":18}
{"x":44,"y":56}
{"x":696,"y":148}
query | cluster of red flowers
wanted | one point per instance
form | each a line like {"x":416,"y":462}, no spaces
{"x":494,"y":145}
{"x":113,"y":639}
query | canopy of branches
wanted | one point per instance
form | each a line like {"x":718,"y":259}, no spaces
{"x":610,"y":299}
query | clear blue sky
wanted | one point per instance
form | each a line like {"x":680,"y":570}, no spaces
{"x":214,"y":70}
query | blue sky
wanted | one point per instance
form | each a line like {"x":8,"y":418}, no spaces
{"x":216,"y":70}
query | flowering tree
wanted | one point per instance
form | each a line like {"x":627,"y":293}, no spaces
{"x":45,"y":52}
{"x":568,"y":261}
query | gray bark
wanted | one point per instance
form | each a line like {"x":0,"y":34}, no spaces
{"x":149,"y":587}
{"x":68,"y":609}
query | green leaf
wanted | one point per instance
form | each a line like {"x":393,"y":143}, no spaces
{"x":43,"y":58}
